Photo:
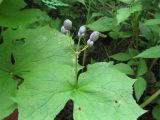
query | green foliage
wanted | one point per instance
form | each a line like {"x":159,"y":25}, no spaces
{"x":140,"y":86}
{"x":35,"y":51}
{"x":54,"y":3}
{"x":142,"y":68}
{"x":155,"y":112}
{"x":152,"y":52}
{"x":103,"y":24}
{"x":14,"y":16}
{"x":82,"y":1}
{"x":124,"y":13}
{"x":8,"y":92}
{"x":152,"y":22}
{"x":95,"y":89}
{"x":127,"y":1}
{"x":125,"y":68}
{"x":118,"y":34}
{"x":121,"y":56}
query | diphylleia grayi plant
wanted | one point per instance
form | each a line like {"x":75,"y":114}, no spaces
{"x":65,"y":29}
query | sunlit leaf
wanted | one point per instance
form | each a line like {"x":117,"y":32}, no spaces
{"x":139,"y":87}
{"x":42,"y":96}
{"x":124,"y":13}
{"x":152,"y":52}
{"x":102,"y":24}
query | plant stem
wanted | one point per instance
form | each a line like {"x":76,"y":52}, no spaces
{"x":88,"y":14}
{"x":76,"y":68}
{"x":152,"y":64}
{"x":77,"y":52}
{"x":77,"y":49}
{"x":149,"y":100}
{"x":84,"y":48}
{"x":135,"y":26}
{"x":84,"y":57}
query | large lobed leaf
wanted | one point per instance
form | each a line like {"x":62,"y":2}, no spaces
{"x":103,"y":93}
{"x":45,"y":62}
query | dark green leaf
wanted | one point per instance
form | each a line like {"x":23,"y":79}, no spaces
{"x":142,"y":68}
{"x":121,"y":57}
{"x":156,"y":112}
{"x":140,"y":86}
{"x":152,"y":22}
{"x":125,"y":68}
{"x":127,"y":1}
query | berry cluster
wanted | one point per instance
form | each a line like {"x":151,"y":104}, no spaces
{"x":67,"y":25}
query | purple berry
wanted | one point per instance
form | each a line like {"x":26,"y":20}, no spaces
{"x":63,"y":30}
{"x":90,"y":43}
{"x":94,"y":36}
{"x":67,"y":24}
{"x":81,"y":35}
{"x":82,"y":31}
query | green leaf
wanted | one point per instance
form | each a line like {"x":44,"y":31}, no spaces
{"x":44,"y":60}
{"x":96,"y":14}
{"x":124,"y":13}
{"x":56,"y":24}
{"x":152,"y":52}
{"x":142,"y":68}
{"x":152,"y":22}
{"x":121,"y":57}
{"x":146,"y":32}
{"x":8,"y":89}
{"x":42,"y":96}
{"x":125,"y":68}
{"x":132,"y":52}
{"x":127,"y":1}
{"x":82,"y":1}
{"x":29,"y":48}
{"x":54,"y":3}
{"x":117,"y":34}
{"x":140,"y":86}
{"x":156,"y":112}
{"x":103,"y":24}
{"x":46,"y":90}
{"x":14,"y":16}
{"x":39,"y":45}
